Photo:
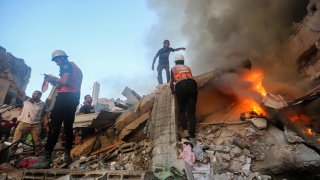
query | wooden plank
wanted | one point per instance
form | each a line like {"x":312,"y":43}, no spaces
{"x":134,"y":124}
{"x":103,"y":150}
{"x":85,"y":148}
{"x":134,"y":112}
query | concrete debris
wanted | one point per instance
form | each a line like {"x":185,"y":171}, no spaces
{"x":201,"y":171}
{"x":274,"y":101}
{"x":131,"y":95}
{"x":259,"y":123}
{"x":292,"y":137}
{"x":128,"y":147}
{"x":121,"y":105}
{"x":244,"y":155}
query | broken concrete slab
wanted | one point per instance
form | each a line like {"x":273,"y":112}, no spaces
{"x":259,"y":123}
{"x":274,"y":101}
{"x":84,"y":120}
{"x":292,"y":136}
{"x":132,"y":96}
{"x":282,"y":155}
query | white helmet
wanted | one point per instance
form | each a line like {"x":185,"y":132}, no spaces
{"x":57,"y":53}
{"x":179,"y":57}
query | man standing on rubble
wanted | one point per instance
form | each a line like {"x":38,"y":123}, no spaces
{"x":185,"y":87}
{"x":87,"y":107}
{"x":30,"y":120}
{"x":67,"y":100}
{"x":163,"y":55}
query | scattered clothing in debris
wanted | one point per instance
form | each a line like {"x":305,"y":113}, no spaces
{"x":187,"y":155}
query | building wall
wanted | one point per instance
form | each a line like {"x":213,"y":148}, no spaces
{"x":16,"y":71}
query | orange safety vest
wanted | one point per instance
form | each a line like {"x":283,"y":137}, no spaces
{"x":181,"y":72}
{"x":76,"y":80}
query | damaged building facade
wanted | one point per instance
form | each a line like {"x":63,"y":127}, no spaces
{"x":14,"y":77}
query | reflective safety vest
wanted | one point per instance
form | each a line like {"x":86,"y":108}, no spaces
{"x":76,"y":80}
{"x":181,"y":72}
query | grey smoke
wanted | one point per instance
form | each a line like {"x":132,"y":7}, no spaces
{"x":219,"y":33}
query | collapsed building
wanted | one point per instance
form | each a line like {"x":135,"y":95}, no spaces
{"x":244,"y":130}
{"x":14,"y":77}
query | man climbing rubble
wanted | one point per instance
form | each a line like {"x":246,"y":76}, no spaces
{"x":185,"y":87}
{"x":30,"y":121}
{"x":163,"y":55}
{"x":67,"y":100}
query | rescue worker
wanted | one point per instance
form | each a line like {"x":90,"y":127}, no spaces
{"x":87,"y":107}
{"x":67,"y":100}
{"x":163,"y":55}
{"x":186,"y":90}
{"x":30,"y":121}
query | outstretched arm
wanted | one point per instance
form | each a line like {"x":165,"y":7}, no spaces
{"x":178,"y":49}
{"x":154,"y":60}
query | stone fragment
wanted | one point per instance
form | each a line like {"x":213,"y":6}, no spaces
{"x":222,"y":148}
{"x":292,"y":136}
{"x":235,"y":166}
{"x":235,"y":151}
{"x":223,"y":156}
{"x":246,"y":167}
{"x":259,"y":123}
{"x":129,"y":167}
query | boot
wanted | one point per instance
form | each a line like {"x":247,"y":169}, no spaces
{"x":67,"y":158}
{"x":43,"y":162}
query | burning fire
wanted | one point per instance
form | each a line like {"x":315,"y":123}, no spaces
{"x":251,"y":105}
{"x":299,"y":118}
{"x":255,"y":77}
{"x":248,"y":104}
{"x":309,"y":132}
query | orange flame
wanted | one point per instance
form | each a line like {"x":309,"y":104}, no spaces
{"x":309,"y":132}
{"x":256,"y":77}
{"x":254,"y":106}
{"x":299,"y":118}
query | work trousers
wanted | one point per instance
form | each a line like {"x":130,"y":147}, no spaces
{"x":159,"y":69}
{"x":187,"y":94}
{"x":22,"y":130}
{"x":63,"y":112}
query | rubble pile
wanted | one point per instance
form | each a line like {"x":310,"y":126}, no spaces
{"x":247,"y":151}
{"x":128,"y":156}
{"x":227,"y":152}
{"x":136,"y":159}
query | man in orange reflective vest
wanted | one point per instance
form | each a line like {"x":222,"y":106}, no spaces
{"x":67,"y":100}
{"x":185,"y":87}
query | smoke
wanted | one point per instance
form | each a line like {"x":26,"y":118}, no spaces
{"x":221,"y":33}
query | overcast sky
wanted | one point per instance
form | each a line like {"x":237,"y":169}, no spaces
{"x":105,"y":38}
